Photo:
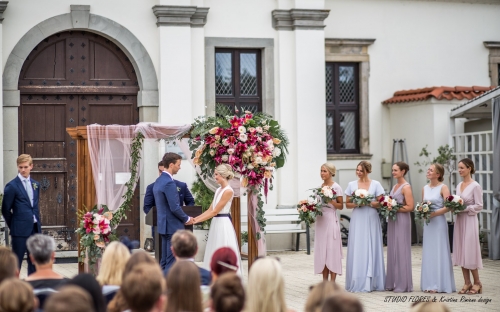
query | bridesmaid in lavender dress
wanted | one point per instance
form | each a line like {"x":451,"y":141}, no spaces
{"x":365,"y":270}
{"x":398,"y":276}
{"x":466,"y":250}
{"x":437,"y":270}
{"x":327,"y":239}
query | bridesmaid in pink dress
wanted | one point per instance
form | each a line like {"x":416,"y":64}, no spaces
{"x":327,"y":239}
{"x":466,"y":249}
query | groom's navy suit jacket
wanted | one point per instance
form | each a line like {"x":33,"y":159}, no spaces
{"x":17,"y":210}
{"x":185,"y":196}
{"x":170,"y":215}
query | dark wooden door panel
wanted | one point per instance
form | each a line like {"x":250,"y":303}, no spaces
{"x":52,"y":194}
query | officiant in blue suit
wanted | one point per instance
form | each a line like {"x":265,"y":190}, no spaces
{"x":20,"y":209}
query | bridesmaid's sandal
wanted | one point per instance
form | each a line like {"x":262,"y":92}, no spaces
{"x":476,"y":289}
{"x":465,"y":289}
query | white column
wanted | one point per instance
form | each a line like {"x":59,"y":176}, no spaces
{"x":3,"y":6}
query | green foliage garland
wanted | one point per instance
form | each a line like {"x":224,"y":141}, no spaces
{"x":203,"y":197}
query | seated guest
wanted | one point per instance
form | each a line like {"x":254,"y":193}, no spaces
{"x":42,"y":252}
{"x":266,"y":287}
{"x":8,"y":264}
{"x":113,"y":263}
{"x":429,"y":307}
{"x":17,"y":296}
{"x":318,"y":294}
{"x":88,"y":283}
{"x":227,"y":294}
{"x":223,"y":260}
{"x":184,"y":248}
{"x":118,"y":304}
{"x":143,"y":289}
{"x":183,"y":288}
{"x":69,"y":298}
{"x":342,"y":302}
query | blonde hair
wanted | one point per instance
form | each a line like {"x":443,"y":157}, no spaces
{"x":16,"y":296}
{"x":439,"y":169}
{"x":366,"y":165}
{"x":113,"y":263}
{"x":318,"y":294}
{"x":429,"y":307}
{"x":225,"y":171}
{"x":266,"y":287}
{"x":330,"y":168}
{"x":24,"y":158}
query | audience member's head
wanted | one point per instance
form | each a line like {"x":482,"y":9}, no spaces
{"x":8,"y":264}
{"x":69,"y":298}
{"x":228,"y":294}
{"x":342,"y":302}
{"x":223,"y":260}
{"x":17,"y":296}
{"x":429,"y":307}
{"x":184,"y":244}
{"x":90,"y":284}
{"x":143,"y":288}
{"x":113,"y":263}
{"x":266,"y":287}
{"x":42,"y":249}
{"x":318,"y":294}
{"x":183,"y":288}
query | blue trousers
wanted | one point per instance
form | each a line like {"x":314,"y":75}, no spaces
{"x":19,"y":248}
{"x":167,"y":258}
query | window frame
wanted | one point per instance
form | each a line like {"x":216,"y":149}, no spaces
{"x":337,"y":108}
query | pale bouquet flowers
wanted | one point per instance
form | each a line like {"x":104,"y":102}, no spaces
{"x":309,"y":209}
{"x":455,"y":203}
{"x":389,"y":207}
{"x":361,"y":197}
{"x":325,"y":193}
{"x":423,"y":211}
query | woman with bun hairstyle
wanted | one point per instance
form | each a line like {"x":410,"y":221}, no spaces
{"x":437,"y":270}
{"x":466,"y":249}
{"x":221,"y":233}
{"x":399,"y":277}
{"x":327,"y":238}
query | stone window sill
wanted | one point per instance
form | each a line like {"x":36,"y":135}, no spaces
{"x":349,"y":156}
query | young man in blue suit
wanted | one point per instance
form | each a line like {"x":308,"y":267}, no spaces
{"x":20,"y":209}
{"x":185,"y":196}
{"x":171,"y":217}
{"x":184,"y":248}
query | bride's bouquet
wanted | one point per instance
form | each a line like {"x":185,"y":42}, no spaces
{"x":423,"y":211}
{"x":389,"y":207}
{"x":361,"y":197}
{"x":326,"y":193}
{"x":455,"y":203}
{"x":309,"y":209}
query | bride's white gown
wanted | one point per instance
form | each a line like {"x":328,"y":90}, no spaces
{"x":221,"y":233}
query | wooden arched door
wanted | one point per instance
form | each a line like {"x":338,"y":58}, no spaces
{"x":71,"y":79}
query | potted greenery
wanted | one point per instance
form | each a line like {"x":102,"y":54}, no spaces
{"x":203,"y":197}
{"x":244,"y":242}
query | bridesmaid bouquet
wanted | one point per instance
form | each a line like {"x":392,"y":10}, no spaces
{"x":361,"y":197}
{"x":326,"y":193}
{"x":423,"y":211}
{"x":455,"y":203}
{"x":309,"y":209}
{"x":389,"y":207}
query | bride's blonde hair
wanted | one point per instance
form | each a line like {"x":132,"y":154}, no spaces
{"x":225,"y":171}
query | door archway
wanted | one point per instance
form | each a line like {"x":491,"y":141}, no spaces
{"x":72,"y":78}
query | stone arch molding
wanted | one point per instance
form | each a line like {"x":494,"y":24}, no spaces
{"x":81,"y":19}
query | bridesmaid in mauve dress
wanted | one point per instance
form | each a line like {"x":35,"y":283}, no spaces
{"x":399,"y":277}
{"x":365,"y":270}
{"x":327,"y":239}
{"x":437,"y":270}
{"x":466,"y":249}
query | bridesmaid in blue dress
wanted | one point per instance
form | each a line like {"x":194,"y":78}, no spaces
{"x":365,"y":270}
{"x":437,"y":270}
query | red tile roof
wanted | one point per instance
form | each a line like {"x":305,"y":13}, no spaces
{"x":440,"y":93}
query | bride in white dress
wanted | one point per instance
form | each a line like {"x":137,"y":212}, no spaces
{"x":221,"y":233}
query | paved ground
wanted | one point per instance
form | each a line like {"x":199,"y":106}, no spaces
{"x":298,"y":268}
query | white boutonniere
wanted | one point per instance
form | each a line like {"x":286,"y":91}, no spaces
{"x":178,"y":189}
{"x":35,"y":186}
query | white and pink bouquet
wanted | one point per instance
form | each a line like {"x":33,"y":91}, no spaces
{"x":455,"y":203}
{"x":423,"y":211}
{"x":388,"y":207}
{"x":325,"y":193}
{"x":361,"y":197}
{"x":309,"y":209}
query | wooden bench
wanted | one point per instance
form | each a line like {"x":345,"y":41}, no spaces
{"x":282,"y":221}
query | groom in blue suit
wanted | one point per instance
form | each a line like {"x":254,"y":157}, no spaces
{"x":20,"y":209}
{"x":170,"y":215}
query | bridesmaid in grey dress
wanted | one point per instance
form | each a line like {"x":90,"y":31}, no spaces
{"x":398,"y":276}
{"x":437,"y":270}
{"x":365,"y":269}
